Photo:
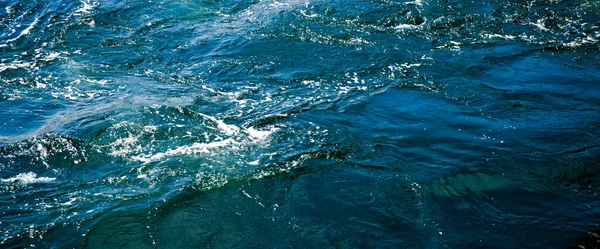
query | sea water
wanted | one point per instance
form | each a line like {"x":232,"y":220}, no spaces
{"x":299,"y":124}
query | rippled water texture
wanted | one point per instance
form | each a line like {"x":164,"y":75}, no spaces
{"x":299,"y":124}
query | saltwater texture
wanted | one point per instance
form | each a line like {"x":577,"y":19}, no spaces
{"x":300,"y":124}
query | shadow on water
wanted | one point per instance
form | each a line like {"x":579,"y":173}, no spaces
{"x":309,"y":207}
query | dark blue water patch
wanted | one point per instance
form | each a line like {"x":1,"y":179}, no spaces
{"x":519,"y":219}
{"x":299,"y":213}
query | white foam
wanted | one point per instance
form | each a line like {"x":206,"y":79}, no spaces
{"x":86,"y":8}
{"x":407,"y":65}
{"x":228,"y":129}
{"x":492,"y":36}
{"x":126,"y":145}
{"x":25,"y":31}
{"x":28,"y":178}
{"x":221,"y":125}
{"x":258,"y":134}
{"x":199,"y":148}
{"x":406,"y":27}
{"x":254,"y":136}
{"x":303,"y":12}
{"x":582,"y":41}
{"x":194,"y":149}
{"x":150,"y":128}
{"x":99,"y":82}
{"x":416,"y":2}
{"x":540,"y":24}
{"x":70,"y":201}
{"x":40,"y":85}
{"x":16,"y":65}
{"x":42,"y":150}
{"x":50,"y":57}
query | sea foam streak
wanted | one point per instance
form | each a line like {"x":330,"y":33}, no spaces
{"x":28,"y":178}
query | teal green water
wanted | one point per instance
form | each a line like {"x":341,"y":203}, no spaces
{"x":299,"y":124}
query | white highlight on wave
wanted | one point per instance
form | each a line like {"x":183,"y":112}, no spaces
{"x":416,"y":2}
{"x":540,"y":25}
{"x":194,"y":149}
{"x":402,"y":27}
{"x":25,"y":32}
{"x":498,"y":36}
{"x":238,"y":138}
{"x":28,"y":178}
{"x":30,"y":65}
{"x":16,"y":65}
{"x":221,"y":125}
{"x":87,"y":8}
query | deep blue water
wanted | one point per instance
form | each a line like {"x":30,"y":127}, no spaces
{"x":299,"y":124}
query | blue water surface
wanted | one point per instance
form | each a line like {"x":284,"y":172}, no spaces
{"x":299,"y":124}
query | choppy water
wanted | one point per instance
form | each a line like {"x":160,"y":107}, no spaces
{"x":302,"y":124}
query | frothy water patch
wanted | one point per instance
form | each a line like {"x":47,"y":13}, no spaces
{"x":28,"y":178}
{"x":25,"y":32}
{"x":198,"y":134}
{"x":87,"y":7}
{"x":232,"y":144}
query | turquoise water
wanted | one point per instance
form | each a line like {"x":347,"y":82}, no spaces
{"x":299,"y":124}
